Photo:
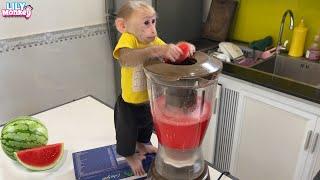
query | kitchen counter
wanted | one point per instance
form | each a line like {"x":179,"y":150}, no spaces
{"x":275,"y":82}
{"x":82,"y":124}
{"x":269,"y":80}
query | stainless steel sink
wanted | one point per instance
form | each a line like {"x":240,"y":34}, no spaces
{"x":292,"y":68}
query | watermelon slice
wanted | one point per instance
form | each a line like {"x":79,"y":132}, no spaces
{"x":40,"y":158}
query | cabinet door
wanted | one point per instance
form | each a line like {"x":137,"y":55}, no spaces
{"x":315,"y":151}
{"x":272,"y":140}
{"x":208,"y":144}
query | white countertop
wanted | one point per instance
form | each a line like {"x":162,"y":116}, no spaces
{"x":80,"y":125}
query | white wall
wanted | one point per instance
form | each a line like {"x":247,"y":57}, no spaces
{"x":53,"y":15}
{"x":37,"y":77}
{"x":34,"y":79}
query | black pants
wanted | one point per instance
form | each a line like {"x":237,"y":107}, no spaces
{"x":133,"y":123}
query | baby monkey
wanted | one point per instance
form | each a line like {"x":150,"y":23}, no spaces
{"x":136,"y":21}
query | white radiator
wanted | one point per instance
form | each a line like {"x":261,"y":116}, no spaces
{"x":225,"y":128}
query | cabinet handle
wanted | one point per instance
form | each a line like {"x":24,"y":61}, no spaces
{"x":306,"y":144}
{"x":315,"y":143}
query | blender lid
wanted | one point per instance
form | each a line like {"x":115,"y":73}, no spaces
{"x":200,"y":66}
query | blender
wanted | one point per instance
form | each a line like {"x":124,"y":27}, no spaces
{"x":181,"y":100}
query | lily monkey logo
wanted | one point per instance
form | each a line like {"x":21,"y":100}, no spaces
{"x":17,"y":9}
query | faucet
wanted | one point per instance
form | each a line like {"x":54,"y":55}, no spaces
{"x":279,"y":44}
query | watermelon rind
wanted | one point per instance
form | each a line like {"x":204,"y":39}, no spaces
{"x":41,"y":168}
{"x":23,"y":132}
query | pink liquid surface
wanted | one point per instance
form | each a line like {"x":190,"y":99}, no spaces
{"x":177,"y":129}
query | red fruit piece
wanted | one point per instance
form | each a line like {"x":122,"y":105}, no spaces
{"x":40,"y":158}
{"x":185,"y":52}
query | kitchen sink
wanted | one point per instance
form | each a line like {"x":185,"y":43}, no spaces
{"x":292,"y":68}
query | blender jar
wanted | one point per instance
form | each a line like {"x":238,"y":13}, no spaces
{"x":181,"y":100}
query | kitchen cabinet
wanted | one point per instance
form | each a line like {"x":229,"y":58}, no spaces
{"x":273,"y":141}
{"x":316,"y":153}
{"x":274,"y":135}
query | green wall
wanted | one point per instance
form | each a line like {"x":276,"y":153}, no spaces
{"x":256,"y":19}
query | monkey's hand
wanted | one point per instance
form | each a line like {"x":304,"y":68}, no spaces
{"x":170,"y":52}
{"x":191,"y":47}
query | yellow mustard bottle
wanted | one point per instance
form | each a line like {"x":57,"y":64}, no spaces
{"x":298,"y":40}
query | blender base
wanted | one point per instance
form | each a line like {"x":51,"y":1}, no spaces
{"x":154,"y":175}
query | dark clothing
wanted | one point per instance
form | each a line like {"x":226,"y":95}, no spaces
{"x":133,"y":123}
{"x":317,"y":177}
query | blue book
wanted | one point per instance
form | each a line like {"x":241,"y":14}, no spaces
{"x":104,"y":163}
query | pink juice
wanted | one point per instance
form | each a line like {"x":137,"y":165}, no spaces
{"x":177,"y":129}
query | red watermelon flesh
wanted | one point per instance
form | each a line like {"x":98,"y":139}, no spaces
{"x":185,"y":52}
{"x":40,"y":158}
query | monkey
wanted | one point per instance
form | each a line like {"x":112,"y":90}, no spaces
{"x":139,"y":42}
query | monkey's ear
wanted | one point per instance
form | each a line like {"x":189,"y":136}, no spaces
{"x":120,"y":25}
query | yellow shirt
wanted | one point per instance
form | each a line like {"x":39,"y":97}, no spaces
{"x":133,"y":79}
